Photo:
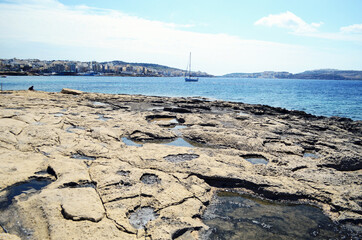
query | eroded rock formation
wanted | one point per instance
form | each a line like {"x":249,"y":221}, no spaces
{"x":101,"y":188}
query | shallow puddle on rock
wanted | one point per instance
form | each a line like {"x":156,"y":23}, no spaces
{"x":310,"y":154}
{"x":129,"y":142}
{"x":177,"y":127}
{"x":83,"y":157}
{"x":180,"y":142}
{"x":100,"y":104}
{"x":180,"y":157}
{"x":234,"y":216}
{"x":255,"y":159}
{"x":123,"y":173}
{"x":73,"y":128}
{"x":58,"y":114}
{"x":103,"y":118}
{"x":141,"y":217}
{"x":155,"y":109}
{"x":174,"y":121}
{"x":10,"y":221}
{"x":149,"y":178}
{"x":42,"y":173}
{"x":165,"y":119}
{"x":30,"y":186}
{"x":183,"y":142}
{"x":84,"y":184}
{"x":167,"y":122}
{"x":243,"y":114}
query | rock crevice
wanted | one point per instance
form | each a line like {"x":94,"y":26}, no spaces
{"x":101,"y":181}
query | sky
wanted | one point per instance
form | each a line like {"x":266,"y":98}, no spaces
{"x":224,"y":36}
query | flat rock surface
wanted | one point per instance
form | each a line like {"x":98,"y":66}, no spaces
{"x":104,"y":188}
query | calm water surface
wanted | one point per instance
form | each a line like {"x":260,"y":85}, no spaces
{"x":319,"y":97}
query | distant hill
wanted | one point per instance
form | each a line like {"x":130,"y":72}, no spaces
{"x":159,"y":68}
{"x":330,"y":74}
{"x":313,"y":74}
{"x":147,"y":65}
{"x":266,"y":74}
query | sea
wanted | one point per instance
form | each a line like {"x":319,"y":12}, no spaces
{"x":341,"y":98}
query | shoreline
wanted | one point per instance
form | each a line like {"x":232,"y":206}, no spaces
{"x":316,"y":104}
{"x":74,"y":74}
{"x":76,"y":138}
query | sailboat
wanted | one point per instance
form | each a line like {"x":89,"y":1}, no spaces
{"x":188,"y":77}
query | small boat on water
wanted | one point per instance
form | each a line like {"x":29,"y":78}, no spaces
{"x":189,"y":77}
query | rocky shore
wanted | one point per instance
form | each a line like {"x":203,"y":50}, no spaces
{"x":77,"y":165}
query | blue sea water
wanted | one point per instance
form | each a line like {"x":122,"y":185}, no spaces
{"x":318,"y":97}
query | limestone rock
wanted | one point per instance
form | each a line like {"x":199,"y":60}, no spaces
{"x":101,"y":186}
{"x":16,"y":166}
{"x":82,"y":204}
{"x":344,"y":163}
{"x":149,"y":134}
{"x":71,"y":91}
{"x":68,"y":172}
{"x":6,"y":236}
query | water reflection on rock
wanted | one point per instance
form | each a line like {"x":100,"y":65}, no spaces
{"x":141,"y":217}
{"x":10,"y":221}
{"x":30,"y":186}
{"x":255,"y":159}
{"x":310,"y":154}
{"x":178,"y":142}
{"x":129,"y":142}
{"x":234,"y":216}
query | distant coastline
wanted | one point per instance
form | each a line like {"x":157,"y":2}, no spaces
{"x":330,"y":74}
{"x":36,"y":67}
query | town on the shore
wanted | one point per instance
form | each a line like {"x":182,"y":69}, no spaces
{"x":35,"y":67}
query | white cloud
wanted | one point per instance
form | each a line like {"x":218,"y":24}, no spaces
{"x":299,"y":27}
{"x":316,"y":25}
{"x":84,"y":33}
{"x":39,"y":3}
{"x":290,"y":21}
{"x":355,"y":28}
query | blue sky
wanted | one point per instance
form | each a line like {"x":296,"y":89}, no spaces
{"x":224,"y":36}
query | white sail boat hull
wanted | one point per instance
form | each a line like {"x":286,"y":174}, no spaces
{"x":188,"y":77}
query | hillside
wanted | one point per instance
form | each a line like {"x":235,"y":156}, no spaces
{"x":313,"y":74}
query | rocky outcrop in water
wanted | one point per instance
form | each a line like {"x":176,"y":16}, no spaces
{"x":99,"y":187}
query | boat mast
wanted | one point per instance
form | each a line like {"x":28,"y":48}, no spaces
{"x":190,"y":65}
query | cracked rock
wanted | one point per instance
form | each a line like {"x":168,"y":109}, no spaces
{"x":82,"y":204}
{"x":94,"y":197}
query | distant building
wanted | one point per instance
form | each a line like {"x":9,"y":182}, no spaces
{"x":59,"y":68}
{"x":72,"y":67}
